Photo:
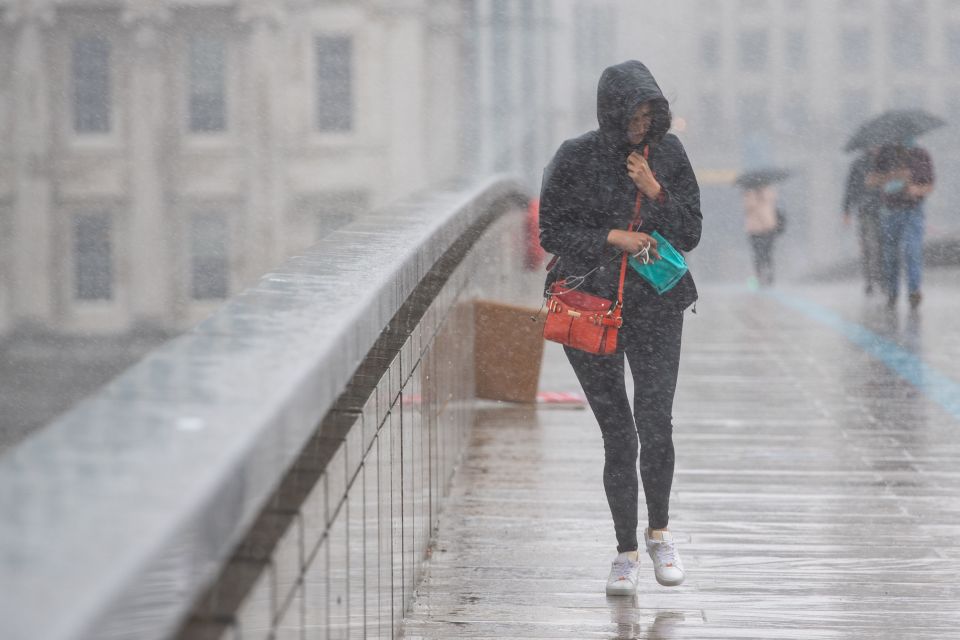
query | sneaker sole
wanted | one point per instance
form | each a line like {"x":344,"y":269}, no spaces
{"x":622,"y":592}
{"x":669,"y":583}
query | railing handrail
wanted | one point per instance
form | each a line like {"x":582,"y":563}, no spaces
{"x":118,"y":514}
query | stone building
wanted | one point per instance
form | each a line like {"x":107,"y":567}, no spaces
{"x":158,"y":155}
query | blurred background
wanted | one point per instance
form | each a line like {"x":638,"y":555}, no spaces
{"x":158,"y":156}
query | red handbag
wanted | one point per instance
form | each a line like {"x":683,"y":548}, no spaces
{"x":583,"y":321}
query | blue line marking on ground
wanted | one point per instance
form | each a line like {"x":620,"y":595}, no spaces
{"x":935,"y":385}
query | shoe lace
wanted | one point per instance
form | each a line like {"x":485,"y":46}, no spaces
{"x":666,"y":553}
{"x":622,"y":568}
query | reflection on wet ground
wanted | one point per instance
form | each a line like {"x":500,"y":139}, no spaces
{"x":817,"y":492}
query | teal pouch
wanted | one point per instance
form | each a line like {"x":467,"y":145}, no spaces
{"x":894,"y":186}
{"x":665,"y":273}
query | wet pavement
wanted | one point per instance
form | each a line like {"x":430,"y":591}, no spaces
{"x":817,"y":491}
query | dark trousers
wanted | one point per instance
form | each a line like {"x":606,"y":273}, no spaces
{"x":763,"y":257}
{"x":652,"y":347}
{"x":870,"y":255}
{"x":902,"y":232}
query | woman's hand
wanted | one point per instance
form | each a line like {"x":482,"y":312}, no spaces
{"x":642,"y":176}
{"x":915,"y":190}
{"x":634,"y":242}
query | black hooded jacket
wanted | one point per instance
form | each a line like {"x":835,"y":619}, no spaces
{"x":587,"y":192}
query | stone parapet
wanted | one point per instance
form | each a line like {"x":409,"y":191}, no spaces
{"x":252,"y":447}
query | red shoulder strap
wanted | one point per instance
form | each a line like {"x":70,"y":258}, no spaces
{"x":634,"y":225}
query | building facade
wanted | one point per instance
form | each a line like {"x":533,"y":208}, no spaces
{"x":158,"y":155}
{"x":786,"y":82}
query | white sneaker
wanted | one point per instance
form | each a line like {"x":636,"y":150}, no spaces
{"x":667,"y":566}
{"x":624,"y":574}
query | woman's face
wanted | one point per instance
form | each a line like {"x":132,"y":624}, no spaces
{"x":640,"y":123}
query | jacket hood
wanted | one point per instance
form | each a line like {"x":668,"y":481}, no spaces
{"x":622,"y":88}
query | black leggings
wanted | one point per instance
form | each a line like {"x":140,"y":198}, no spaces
{"x":652,"y":347}
{"x":763,"y":257}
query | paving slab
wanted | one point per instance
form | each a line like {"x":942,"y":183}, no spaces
{"x":816,"y":495}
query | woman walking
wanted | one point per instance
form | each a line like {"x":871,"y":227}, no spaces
{"x":587,"y":207}
{"x":760,"y":221}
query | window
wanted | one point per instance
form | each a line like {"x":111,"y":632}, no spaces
{"x":92,"y":259}
{"x":710,"y":50}
{"x":906,"y":33}
{"x":334,"y":83}
{"x":753,"y":50}
{"x":209,"y":259}
{"x":854,"y":107}
{"x":207,"y":77}
{"x":855,"y":48}
{"x":90,"y":70}
{"x":796,"y":49}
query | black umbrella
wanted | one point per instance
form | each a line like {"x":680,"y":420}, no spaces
{"x":761,"y":177}
{"x":897,"y":125}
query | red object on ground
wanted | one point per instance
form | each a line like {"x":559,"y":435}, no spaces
{"x":560,"y":397}
{"x":533,"y":252}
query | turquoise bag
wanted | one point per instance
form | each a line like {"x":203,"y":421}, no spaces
{"x":665,"y":273}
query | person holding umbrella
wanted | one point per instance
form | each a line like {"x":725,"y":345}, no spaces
{"x":863,"y":201}
{"x":902,"y":174}
{"x":762,"y":220}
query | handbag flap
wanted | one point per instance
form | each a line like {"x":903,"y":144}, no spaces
{"x":579,"y":299}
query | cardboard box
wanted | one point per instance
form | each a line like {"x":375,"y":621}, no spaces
{"x":508,"y":351}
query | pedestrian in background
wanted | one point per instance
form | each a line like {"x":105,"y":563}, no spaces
{"x":903,"y":175}
{"x":863,"y":201}
{"x":761,"y":221}
{"x":587,"y":204}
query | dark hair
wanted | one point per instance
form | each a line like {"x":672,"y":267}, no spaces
{"x":660,"y":120}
